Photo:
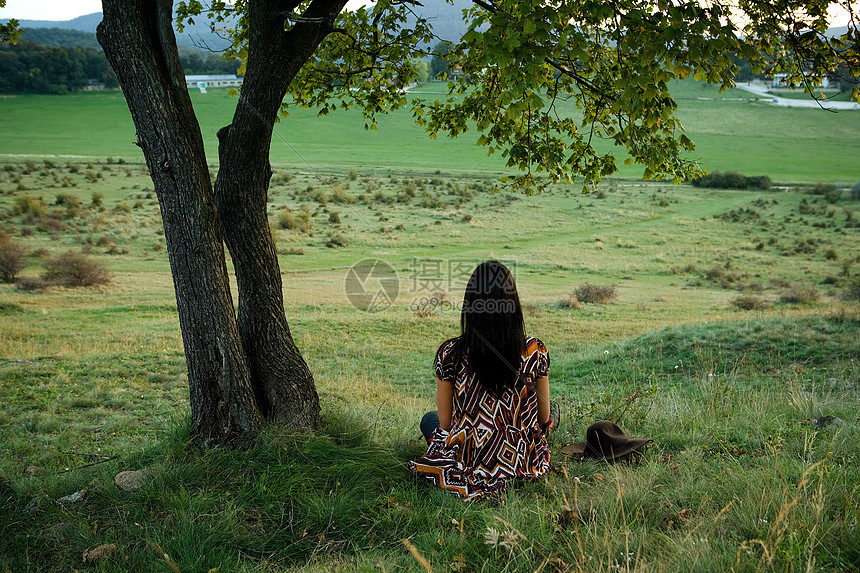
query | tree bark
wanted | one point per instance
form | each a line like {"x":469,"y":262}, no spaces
{"x":138,"y":40}
{"x":281,"y":379}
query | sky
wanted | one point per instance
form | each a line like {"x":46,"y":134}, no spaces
{"x":49,"y":9}
{"x":68,"y":9}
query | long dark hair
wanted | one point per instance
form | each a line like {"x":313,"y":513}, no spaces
{"x":492,"y":332}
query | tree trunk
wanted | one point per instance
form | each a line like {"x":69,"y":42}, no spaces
{"x":282,"y":381}
{"x":138,"y":40}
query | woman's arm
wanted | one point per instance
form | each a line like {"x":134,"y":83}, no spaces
{"x":542,"y":389}
{"x":444,"y":403}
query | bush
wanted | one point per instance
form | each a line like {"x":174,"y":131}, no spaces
{"x":855,"y":191}
{"x":799,"y":293}
{"x":30,"y":205}
{"x":31,"y":285}
{"x":76,"y":269}
{"x":336,"y":240}
{"x":732,"y":180}
{"x":749,"y":302}
{"x":339,"y":195}
{"x":12,"y":259}
{"x":294,"y":222}
{"x":596,"y":294}
{"x":852,"y":291}
{"x":569,"y":302}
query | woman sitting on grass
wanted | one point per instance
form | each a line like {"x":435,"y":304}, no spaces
{"x":492,"y":391}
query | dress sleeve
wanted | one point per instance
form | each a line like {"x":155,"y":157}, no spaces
{"x":543,"y":360}
{"x":444,"y":364}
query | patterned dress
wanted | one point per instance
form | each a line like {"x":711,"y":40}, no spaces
{"x":491,"y":440}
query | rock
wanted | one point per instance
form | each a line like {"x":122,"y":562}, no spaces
{"x":131,"y":480}
{"x":93,"y":556}
{"x":76,"y":497}
{"x":825,"y":421}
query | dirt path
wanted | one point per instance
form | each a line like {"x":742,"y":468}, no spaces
{"x":761,"y":90}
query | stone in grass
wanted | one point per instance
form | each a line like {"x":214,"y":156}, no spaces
{"x":825,"y":421}
{"x":93,"y":556}
{"x":131,"y":480}
{"x":76,"y":497}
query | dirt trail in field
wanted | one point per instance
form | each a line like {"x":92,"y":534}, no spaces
{"x":761,"y":90}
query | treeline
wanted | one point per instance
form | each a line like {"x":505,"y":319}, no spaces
{"x":36,"y":68}
{"x":58,"y":68}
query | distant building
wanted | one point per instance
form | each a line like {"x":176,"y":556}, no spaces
{"x":93,"y":86}
{"x":779,"y":82}
{"x":203,"y":82}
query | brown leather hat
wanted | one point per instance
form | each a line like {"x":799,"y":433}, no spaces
{"x":605,"y":441}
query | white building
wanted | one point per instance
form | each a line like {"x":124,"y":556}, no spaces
{"x":203,"y":82}
{"x":779,"y":82}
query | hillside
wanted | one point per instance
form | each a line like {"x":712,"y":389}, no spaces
{"x":60,"y":38}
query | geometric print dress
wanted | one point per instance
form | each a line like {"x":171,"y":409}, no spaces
{"x":491,"y":440}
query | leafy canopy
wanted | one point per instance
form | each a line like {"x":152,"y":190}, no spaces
{"x":520,"y":59}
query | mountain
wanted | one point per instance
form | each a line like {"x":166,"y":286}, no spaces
{"x":446,"y":19}
{"x":59,"y":38}
{"x":86,"y":23}
{"x":197,"y":36}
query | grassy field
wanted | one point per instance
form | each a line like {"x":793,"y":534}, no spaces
{"x":732,"y":132}
{"x":754,"y":412}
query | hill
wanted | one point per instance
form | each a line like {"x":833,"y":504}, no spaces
{"x":60,"y":38}
{"x":85,"y":23}
{"x":197,"y":36}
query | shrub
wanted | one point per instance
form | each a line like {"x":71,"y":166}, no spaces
{"x":569,"y":302}
{"x":339,"y":194}
{"x":31,"y":284}
{"x":831,"y":254}
{"x":760,"y":182}
{"x":12,"y":259}
{"x":799,"y":293}
{"x":855,"y":191}
{"x":749,"y":302}
{"x":852,"y":290}
{"x":294,"y":222}
{"x":319,"y":196}
{"x":596,"y":294}
{"x":334,"y":218}
{"x":336,"y":240}
{"x":25,"y":205}
{"x":292,"y":251}
{"x":283,"y":177}
{"x":732,"y":180}
{"x":76,"y":269}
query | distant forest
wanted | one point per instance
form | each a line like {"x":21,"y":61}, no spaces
{"x":55,"y":61}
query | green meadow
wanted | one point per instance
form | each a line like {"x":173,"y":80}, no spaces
{"x":732,"y":130}
{"x":732,"y":340}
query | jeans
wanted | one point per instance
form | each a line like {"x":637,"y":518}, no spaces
{"x":429,"y":423}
